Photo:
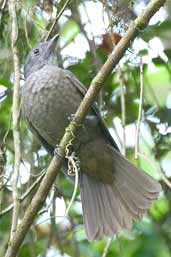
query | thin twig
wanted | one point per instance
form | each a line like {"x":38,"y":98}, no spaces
{"x":163,"y":177}
{"x":2,"y":7}
{"x":15,"y":115}
{"x":123,"y":110}
{"x":120,"y":247}
{"x":117,"y":134}
{"x":76,"y":175}
{"x":23,"y":197}
{"x":8,"y":128}
{"x":52,"y":226}
{"x":26,"y":30}
{"x":3,"y":4}
{"x":56,"y":19}
{"x":106,"y":249}
{"x":112,"y":43}
{"x":137,"y":133}
{"x":122,"y":82}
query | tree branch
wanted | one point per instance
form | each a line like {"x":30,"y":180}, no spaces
{"x":140,"y":23}
{"x":138,"y":125}
{"x":56,"y":19}
{"x":15,"y":116}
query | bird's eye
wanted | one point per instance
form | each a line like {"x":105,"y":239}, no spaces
{"x":36,"y":51}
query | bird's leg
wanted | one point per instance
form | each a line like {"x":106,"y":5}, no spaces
{"x":70,"y":155}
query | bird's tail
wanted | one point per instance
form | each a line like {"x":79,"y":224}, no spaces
{"x":109,"y":208}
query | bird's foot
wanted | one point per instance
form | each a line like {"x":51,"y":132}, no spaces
{"x":71,"y":117}
{"x":58,"y":151}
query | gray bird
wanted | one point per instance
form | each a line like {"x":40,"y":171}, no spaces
{"x":114,"y":192}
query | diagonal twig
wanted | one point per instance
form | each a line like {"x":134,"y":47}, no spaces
{"x":56,"y":19}
{"x":23,"y":197}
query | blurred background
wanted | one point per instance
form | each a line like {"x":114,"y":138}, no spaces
{"x":89,"y":30}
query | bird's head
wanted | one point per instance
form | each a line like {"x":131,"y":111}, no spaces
{"x":40,"y":55}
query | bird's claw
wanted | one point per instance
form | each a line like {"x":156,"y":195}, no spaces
{"x":58,"y":151}
{"x":71,"y":117}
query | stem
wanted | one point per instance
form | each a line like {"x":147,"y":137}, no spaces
{"x":56,"y":19}
{"x":123,"y":109}
{"x":137,"y":134}
{"x":15,"y":115}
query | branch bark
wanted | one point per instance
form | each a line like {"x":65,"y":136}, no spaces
{"x":139,"y":24}
{"x":56,"y":19}
{"x":15,"y":116}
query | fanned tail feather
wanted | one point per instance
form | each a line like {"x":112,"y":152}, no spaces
{"x":108,"y":208}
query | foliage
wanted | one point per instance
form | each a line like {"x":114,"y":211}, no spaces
{"x":54,"y":236}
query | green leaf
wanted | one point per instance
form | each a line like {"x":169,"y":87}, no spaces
{"x":68,"y":32}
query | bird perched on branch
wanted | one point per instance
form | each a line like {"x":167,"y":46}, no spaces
{"x":113,"y":191}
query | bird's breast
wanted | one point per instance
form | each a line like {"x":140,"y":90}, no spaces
{"x":48,"y":100}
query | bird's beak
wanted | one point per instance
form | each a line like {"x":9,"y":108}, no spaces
{"x":53,"y":41}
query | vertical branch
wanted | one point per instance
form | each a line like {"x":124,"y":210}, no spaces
{"x":122,"y":83}
{"x":123,"y":111}
{"x":2,"y":7}
{"x":15,"y":114}
{"x":137,"y":134}
{"x":25,"y":29}
{"x":112,"y":42}
{"x":106,"y":249}
{"x":121,"y":79}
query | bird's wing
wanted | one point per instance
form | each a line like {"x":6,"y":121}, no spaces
{"x":83,"y":90}
{"x":48,"y":147}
